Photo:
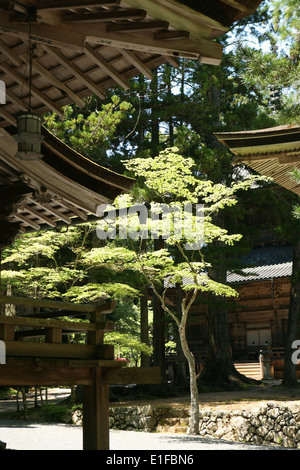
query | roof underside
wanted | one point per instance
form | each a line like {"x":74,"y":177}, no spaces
{"x":272,"y":152}
{"x":85,"y":47}
{"x":61,"y":188}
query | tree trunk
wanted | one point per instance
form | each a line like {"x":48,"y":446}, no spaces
{"x":159,"y":353}
{"x":181,"y":377}
{"x":194,"y":411}
{"x":145,"y":359}
{"x":289,"y":372}
{"x":219,"y":369}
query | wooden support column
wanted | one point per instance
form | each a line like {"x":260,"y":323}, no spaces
{"x":96,"y":413}
{"x":96,"y":395}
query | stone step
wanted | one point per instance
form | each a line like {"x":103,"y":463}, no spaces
{"x":249,"y":369}
{"x":173,"y":425}
{"x":176,"y":428}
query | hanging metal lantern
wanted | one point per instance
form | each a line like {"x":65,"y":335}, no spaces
{"x":29,"y":136}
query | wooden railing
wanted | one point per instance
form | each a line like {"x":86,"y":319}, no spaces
{"x":36,"y":355}
{"x":34,"y":337}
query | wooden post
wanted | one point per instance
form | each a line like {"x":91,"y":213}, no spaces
{"x":96,"y":413}
{"x":96,"y":395}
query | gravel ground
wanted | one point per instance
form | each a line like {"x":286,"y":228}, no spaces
{"x":20,"y":435}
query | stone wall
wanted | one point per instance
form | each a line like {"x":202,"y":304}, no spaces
{"x":142,"y":418}
{"x":271,"y":424}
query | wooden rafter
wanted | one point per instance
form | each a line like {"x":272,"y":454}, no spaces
{"x":272,"y":152}
{"x":54,"y":211}
{"x":134,"y":60}
{"x":70,"y":4}
{"x":39,"y":214}
{"x":137,"y":26}
{"x":239,"y":5}
{"x":84,"y":47}
{"x":109,"y":69}
{"x":65,"y":62}
{"x":43,"y":72}
{"x":14,"y":74}
{"x":27,"y":221}
{"x":105,"y":16}
{"x":171,"y":34}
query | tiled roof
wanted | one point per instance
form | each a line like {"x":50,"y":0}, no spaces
{"x":260,"y":273}
{"x":260,"y":264}
{"x":264,"y":263}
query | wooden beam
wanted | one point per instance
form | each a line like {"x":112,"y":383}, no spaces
{"x":137,"y":26}
{"x":57,"y":83}
{"x":103,"y":64}
{"x":203,"y":50}
{"x":50,"y":350}
{"x":108,"y":307}
{"x":105,"y":16}
{"x":132,"y":375}
{"x":238,"y":6}
{"x":136,"y":61}
{"x":52,"y":35}
{"x":47,"y":323}
{"x":43,"y":218}
{"x":12,"y":73}
{"x":180,"y":17}
{"x":173,"y":61}
{"x":62,"y":350}
{"x":27,"y":221}
{"x":44,"y":376}
{"x":40,"y":332}
{"x":15,"y":99}
{"x":75,"y":71}
{"x":53,"y":211}
{"x":82,"y":215}
{"x":10,"y":54}
{"x":289,"y":159}
{"x":74,"y":39}
{"x":96,"y":413}
{"x":70,"y":4}
{"x":171,"y":34}
{"x":8,"y":117}
{"x":54,"y":304}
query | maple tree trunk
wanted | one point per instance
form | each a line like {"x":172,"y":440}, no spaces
{"x":194,"y":396}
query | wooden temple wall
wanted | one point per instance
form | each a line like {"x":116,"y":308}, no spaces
{"x":257,"y":318}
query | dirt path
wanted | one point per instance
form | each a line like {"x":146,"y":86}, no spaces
{"x":232,"y":400}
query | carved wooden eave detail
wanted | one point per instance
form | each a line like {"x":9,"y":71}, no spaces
{"x":273,"y":152}
{"x":86,"y":47}
{"x":62,"y":188}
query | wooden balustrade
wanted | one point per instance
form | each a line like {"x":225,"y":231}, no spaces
{"x":36,"y":355}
